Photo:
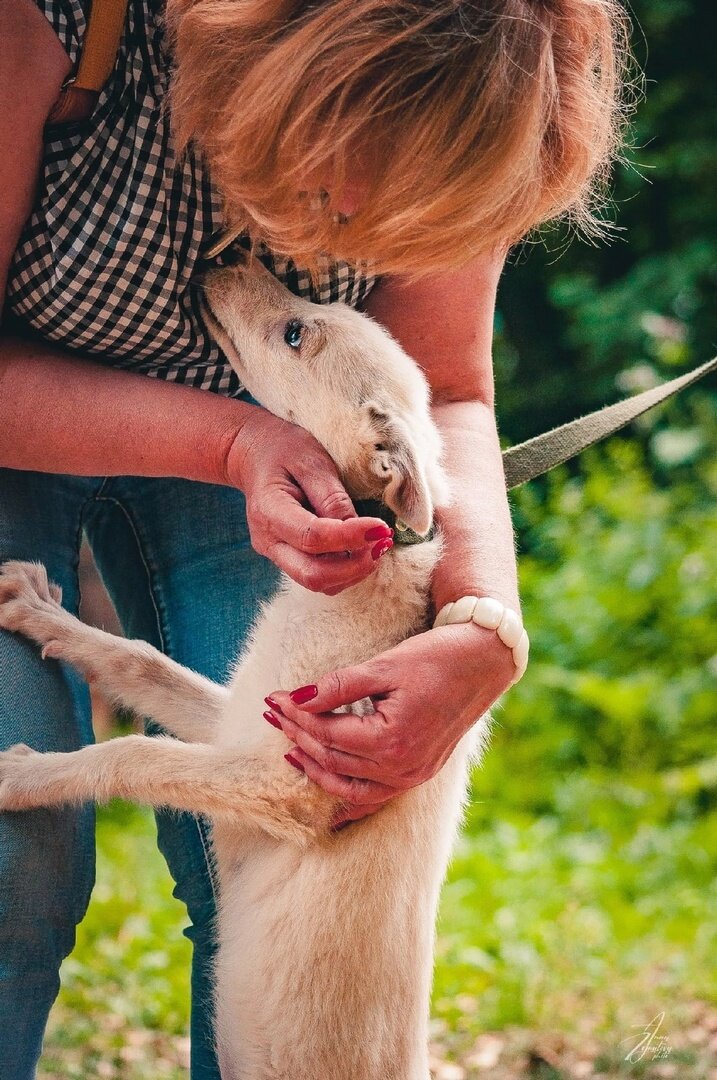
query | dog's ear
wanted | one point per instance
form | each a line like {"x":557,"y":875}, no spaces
{"x":395,"y":460}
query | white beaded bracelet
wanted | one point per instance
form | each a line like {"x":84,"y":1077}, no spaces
{"x":492,"y":615}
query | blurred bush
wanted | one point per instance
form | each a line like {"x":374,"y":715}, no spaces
{"x":572,"y":317}
{"x":580,"y":903}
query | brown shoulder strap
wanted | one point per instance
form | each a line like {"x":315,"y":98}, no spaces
{"x":79,"y":94}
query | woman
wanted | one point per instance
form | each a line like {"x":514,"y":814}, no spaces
{"x":420,"y":139}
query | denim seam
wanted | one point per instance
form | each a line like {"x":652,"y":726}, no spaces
{"x":78,"y":537}
{"x":164,"y":638}
{"x":208,"y":858}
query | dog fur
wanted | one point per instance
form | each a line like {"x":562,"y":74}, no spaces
{"x":325,"y":939}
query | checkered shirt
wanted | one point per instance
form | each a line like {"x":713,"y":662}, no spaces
{"x":105,"y":261}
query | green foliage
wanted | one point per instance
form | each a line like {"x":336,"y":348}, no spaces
{"x":621,"y":574}
{"x":571,"y":318}
{"x":582,"y":898}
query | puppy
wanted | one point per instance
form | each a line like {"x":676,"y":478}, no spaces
{"x":325,"y":939}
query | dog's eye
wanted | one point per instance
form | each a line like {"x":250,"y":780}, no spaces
{"x":293,"y":333}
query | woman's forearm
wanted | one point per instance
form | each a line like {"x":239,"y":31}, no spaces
{"x":479,"y":555}
{"x":61,"y":414}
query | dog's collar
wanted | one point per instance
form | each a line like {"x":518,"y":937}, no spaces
{"x":402,"y":533}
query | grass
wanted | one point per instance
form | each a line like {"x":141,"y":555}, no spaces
{"x":568,"y":933}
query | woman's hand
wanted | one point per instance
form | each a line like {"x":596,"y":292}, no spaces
{"x":427,"y":691}
{"x":282,"y":469}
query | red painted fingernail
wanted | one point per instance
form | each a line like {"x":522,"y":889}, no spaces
{"x":272,"y":720}
{"x":379,"y":532}
{"x":303,"y":694}
{"x":294,"y":762}
{"x":273,"y":705}
{"x":341,"y":825}
{"x":381,"y":548}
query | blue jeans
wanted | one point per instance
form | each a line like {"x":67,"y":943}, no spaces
{"x":176,"y":558}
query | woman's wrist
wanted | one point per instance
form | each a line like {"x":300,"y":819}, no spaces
{"x":488,"y":613}
{"x":478,"y":557}
{"x":460,"y":575}
{"x":241,"y":444}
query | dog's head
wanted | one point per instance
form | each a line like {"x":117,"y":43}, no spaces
{"x":341,"y":376}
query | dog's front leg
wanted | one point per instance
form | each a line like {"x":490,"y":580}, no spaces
{"x":224,"y":784}
{"x":132,"y":674}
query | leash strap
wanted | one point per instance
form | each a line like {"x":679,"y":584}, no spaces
{"x":80,"y":92}
{"x":538,"y":455}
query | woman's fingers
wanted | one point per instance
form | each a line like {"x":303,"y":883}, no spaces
{"x":359,"y":736}
{"x":281,"y":471}
{"x":338,"y":688}
{"x":359,"y":792}
{"x":322,"y":573}
{"x":320,"y":483}
{"x":322,"y":554}
{"x":294,"y":525}
{"x":330,"y":759}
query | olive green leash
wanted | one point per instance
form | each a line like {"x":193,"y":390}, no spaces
{"x":537,"y":456}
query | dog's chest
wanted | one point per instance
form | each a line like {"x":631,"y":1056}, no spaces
{"x":319,"y":634}
{"x":301,"y":636}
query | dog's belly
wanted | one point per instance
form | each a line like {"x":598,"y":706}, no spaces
{"x":325,"y":952}
{"x":308,"y":974}
{"x":325,"y":955}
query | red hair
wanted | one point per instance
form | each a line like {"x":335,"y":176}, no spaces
{"x":474,"y":120}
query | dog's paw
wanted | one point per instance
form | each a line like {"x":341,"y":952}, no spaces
{"x":16,"y":770}
{"x":26,"y":598}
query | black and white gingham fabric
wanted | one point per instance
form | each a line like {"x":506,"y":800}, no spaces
{"x":105,"y":261}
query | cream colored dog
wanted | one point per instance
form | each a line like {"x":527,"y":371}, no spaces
{"x":325,"y":939}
